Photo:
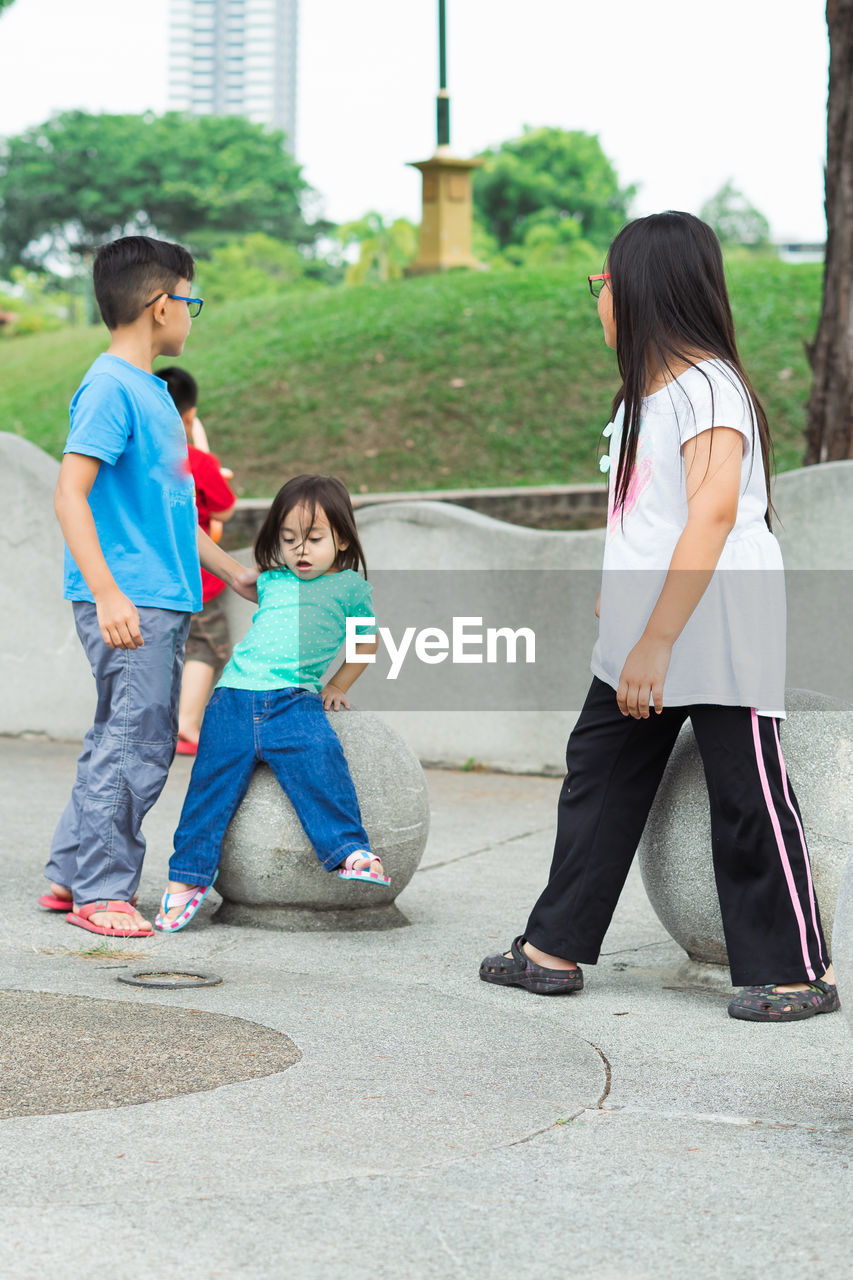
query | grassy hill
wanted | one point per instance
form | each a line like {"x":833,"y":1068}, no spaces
{"x":462,"y":380}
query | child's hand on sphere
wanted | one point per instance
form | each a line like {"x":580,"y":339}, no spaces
{"x":334,"y":698}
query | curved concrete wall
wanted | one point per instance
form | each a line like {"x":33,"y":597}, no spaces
{"x":413,"y":551}
{"x":814,"y":517}
{"x":45,"y":682}
{"x":489,"y":727}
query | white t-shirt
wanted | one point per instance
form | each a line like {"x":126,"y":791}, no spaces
{"x":732,"y":649}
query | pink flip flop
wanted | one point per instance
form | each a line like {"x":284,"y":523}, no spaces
{"x":369,"y":877}
{"x":52,"y":903}
{"x":80,"y":916}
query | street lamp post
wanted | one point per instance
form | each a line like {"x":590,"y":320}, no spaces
{"x":442,"y":104}
{"x":445,"y":237}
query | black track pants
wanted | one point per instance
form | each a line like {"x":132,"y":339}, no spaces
{"x":614,"y":767}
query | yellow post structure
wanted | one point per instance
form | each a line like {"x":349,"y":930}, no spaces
{"x":445,"y":239}
{"x":447,"y":203}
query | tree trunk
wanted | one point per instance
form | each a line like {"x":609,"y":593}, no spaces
{"x":829,"y":429}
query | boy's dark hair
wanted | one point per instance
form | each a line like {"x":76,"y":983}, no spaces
{"x":183,"y":387}
{"x":131,"y":271}
{"x":311,"y":492}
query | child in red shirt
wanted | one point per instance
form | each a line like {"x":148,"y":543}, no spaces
{"x":208,"y":642}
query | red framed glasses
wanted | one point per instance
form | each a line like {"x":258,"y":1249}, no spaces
{"x":596,"y":283}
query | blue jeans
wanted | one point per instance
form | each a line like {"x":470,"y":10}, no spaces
{"x":288,"y":729}
{"x":97,"y":849}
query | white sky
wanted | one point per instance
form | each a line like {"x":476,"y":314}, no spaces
{"x":682,"y":95}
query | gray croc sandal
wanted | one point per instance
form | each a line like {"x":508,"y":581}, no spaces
{"x":766,"y":1004}
{"x":516,"y":970}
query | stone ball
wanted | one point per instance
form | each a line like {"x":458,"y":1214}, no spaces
{"x":675,"y":851}
{"x":842,"y":943}
{"x":268,"y":864}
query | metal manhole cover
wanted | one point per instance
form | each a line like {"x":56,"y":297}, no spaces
{"x":170,"y":981}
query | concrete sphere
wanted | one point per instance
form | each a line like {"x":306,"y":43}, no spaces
{"x":675,"y":852}
{"x":269,"y":873}
{"x":842,"y":943}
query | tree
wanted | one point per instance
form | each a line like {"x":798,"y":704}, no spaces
{"x":385,"y":248}
{"x":829,"y":424}
{"x":553,"y":244}
{"x":38,"y":303}
{"x":249,"y":268}
{"x":734,"y":219}
{"x":550,"y":175}
{"x":79,"y":180}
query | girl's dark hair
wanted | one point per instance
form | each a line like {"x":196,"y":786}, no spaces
{"x":325,"y":493}
{"x":670,"y":305}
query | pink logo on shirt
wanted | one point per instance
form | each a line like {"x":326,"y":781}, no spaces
{"x":640,"y":477}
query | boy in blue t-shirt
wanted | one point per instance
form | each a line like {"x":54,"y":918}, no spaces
{"x":125,"y":503}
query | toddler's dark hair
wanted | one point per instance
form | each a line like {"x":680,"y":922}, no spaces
{"x":312,"y":492}
{"x":131,"y":271}
{"x":183,"y":387}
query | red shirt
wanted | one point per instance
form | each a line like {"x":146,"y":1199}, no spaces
{"x":212,"y":495}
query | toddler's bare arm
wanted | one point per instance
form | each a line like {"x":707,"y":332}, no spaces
{"x":336,"y":689}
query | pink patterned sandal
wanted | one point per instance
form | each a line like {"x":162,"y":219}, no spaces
{"x":190,"y":899}
{"x":347,"y":871}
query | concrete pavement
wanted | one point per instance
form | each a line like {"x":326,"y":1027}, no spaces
{"x":433,"y":1125}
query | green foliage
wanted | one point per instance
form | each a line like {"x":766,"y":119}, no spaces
{"x":485,"y":247}
{"x":385,"y":248}
{"x":734,"y":219}
{"x":463,"y":379}
{"x":4,"y":4}
{"x":550,"y":176}
{"x":550,"y":244}
{"x":79,"y":180}
{"x":256,"y":266}
{"x":38,"y":303}
{"x":776,"y":307}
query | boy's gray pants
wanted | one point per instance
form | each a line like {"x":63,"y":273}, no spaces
{"x":98,"y":848}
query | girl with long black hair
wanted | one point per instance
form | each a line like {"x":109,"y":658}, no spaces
{"x":692,"y":624}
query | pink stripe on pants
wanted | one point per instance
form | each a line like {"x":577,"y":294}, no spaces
{"x":780,"y":843}
{"x":784,"y":773}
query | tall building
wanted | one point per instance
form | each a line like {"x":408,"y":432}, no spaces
{"x":235,"y":57}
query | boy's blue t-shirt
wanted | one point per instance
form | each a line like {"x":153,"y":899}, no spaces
{"x":143,"y":499}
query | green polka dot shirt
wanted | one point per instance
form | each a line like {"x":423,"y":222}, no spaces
{"x":298,"y":629}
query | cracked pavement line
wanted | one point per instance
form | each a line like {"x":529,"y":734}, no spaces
{"x":498,"y":844}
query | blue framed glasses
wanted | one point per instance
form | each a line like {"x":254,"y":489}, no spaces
{"x":194,"y":305}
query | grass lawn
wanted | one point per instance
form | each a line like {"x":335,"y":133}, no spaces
{"x":464,"y":380}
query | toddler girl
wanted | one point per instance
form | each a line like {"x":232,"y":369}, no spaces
{"x":270,"y":704}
